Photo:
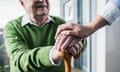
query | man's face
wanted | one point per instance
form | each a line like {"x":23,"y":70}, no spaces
{"x":36,"y":7}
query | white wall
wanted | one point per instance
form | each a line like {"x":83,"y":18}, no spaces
{"x":55,"y":7}
{"x":9,"y":10}
{"x":113,"y":47}
{"x":98,"y":41}
{"x":101,"y":42}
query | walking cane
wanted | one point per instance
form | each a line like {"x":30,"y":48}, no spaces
{"x":67,"y":61}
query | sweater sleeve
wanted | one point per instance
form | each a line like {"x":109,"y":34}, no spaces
{"x":22,"y":57}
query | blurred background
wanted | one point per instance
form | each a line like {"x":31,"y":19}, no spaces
{"x":102,"y":52}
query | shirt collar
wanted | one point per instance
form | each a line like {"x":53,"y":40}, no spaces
{"x":26,"y":20}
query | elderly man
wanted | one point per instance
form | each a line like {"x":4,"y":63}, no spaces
{"x":30,"y":42}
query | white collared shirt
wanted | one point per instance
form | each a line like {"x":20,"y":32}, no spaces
{"x":26,"y":20}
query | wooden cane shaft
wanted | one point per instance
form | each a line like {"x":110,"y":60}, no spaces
{"x":67,"y":61}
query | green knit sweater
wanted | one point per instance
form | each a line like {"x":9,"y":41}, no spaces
{"x":28,"y":47}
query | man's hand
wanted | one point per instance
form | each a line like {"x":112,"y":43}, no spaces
{"x":75,"y":47}
{"x":76,"y":30}
{"x":70,"y":44}
{"x":56,"y":55}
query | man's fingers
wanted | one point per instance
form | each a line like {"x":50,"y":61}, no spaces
{"x":77,"y":45}
{"x":80,"y":43}
{"x":59,"y":43}
{"x":72,"y":51}
{"x":63,"y":27}
{"x":66,"y":42}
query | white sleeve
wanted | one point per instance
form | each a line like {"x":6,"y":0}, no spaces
{"x":50,"y":58}
{"x":110,"y":13}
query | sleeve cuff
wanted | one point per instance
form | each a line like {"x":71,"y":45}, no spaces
{"x":50,"y":57}
{"x":110,"y":13}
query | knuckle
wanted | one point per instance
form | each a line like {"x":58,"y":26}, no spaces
{"x":59,"y":26}
{"x":72,"y":25}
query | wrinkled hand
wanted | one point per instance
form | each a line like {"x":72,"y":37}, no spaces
{"x":70,"y":44}
{"x":75,"y":47}
{"x":76,"y":30}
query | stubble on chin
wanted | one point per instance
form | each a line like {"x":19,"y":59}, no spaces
{"x":41,"y":11}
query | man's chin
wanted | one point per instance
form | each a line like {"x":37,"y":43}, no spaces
{"x":40,"y":15}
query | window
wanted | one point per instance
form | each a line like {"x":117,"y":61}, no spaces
{"x":4,"y":60}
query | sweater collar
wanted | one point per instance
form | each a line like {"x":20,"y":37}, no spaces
{"x":26,"y":20}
